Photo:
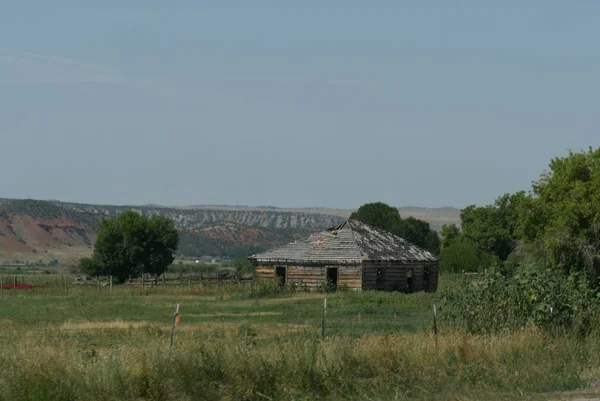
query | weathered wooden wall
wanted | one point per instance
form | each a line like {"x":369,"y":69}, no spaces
{"x":395,"y":276}
{"x":350,"y":277}
{"x":433,"y":277}
{"x":306,"y":276}
{"x":359,"y":277}
{"x":313,"y":276}
{"x":264,"y":272}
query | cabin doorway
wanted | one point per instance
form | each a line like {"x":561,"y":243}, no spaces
{"x":332,"y":277}
{"x":380,"y":280}
{"x":280,"y":275}
{"x":409,"y":280}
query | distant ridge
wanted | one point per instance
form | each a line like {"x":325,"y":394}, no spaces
{"x":48,"y":229}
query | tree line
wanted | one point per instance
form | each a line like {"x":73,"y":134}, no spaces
{"x":556,"y":224}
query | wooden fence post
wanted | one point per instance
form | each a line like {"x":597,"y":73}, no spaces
{"x":175,"y":318}
{"x":324,"y":314}
{"x":163,"y":279}
{"x":110,"y":283}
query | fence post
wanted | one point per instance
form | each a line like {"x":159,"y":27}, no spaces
{"x":175,"y":318}
{"x":1,"y":285}
{"x":163,"y":279}
{"x":14,"y":281}
{"x":98,"y":279}
{"x":435,"y":331}
{"x":324,"y":314}
{"x":110,"y":283}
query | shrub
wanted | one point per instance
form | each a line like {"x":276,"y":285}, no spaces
{"x":545,"y":298}
{"x":465,"y":256}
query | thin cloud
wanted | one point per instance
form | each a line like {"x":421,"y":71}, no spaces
{"x":71,"y":63}
{"x":293,"y":79}
{"x":32,"y":68}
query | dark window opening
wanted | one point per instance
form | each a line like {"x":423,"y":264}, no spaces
{"x":280,"y":274}
{"x":380,"y":279}
{"x":332,"y":277}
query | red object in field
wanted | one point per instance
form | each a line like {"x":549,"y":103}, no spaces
{"x":22,"y":286}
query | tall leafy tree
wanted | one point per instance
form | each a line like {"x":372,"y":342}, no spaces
{"x":132,"y":244}
{"x":494,"y":228}
{"x":385,"y":217}
{"x":378,"y":214}
{"x":567,"y":211}
{"x":450,"y":233}
{"x":462,"y":255}
{"x":558,"y":223}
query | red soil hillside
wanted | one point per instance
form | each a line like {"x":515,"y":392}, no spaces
{"x":37,"y":230}
{"x":33,"y":230}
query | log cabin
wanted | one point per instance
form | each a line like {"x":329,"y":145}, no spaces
{"x":352,"y":255}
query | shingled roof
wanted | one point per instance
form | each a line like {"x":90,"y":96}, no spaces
{"x":351,"y":242}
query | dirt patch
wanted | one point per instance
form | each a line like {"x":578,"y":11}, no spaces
{"x":592,"y":393}
{"x":263,"y":329}
{"x":118,"y":324}
{"x":224,"y":314}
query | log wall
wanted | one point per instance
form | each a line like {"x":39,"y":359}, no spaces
{"x":359,"y":277}
{"x":306,"y":276}
{"x":264,"y":272}
{"x":313,"y":276}
{"x":350,"y":277}
{"x":433,"y":277}
{"x":395,"y":277}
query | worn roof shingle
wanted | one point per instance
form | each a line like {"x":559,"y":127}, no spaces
{"x":350,"y":242}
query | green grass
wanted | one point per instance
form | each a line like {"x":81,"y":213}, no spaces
{"x":233,"y":344}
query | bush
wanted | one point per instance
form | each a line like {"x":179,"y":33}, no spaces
{"x":545,"y":298}
{"x":465,"y":256}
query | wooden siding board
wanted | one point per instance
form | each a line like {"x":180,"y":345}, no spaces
{"x":359,"y":276}
{"x":264,"y":272}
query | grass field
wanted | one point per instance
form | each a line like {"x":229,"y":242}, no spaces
{"x":252,"y":344}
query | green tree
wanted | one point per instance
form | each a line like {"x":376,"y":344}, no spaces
{"x":566,"y":212}
{"x":87,"y":266}
{"x":132,"y":244}
{"x":494,"y":228}
{"x":385,"y":217}
{"x":379,"y":215}
{"x":557,"y":224}
{"x":463,"y":255}
{"x":450,"y":233}
{"x":242,"y":265}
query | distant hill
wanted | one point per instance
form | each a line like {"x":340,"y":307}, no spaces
{"x":436,"y":217}
{"x":44,"y":230}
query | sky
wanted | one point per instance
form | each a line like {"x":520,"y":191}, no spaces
{"x":292,"y":104}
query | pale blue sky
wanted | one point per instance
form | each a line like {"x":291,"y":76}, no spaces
{"x":427,"y":103}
